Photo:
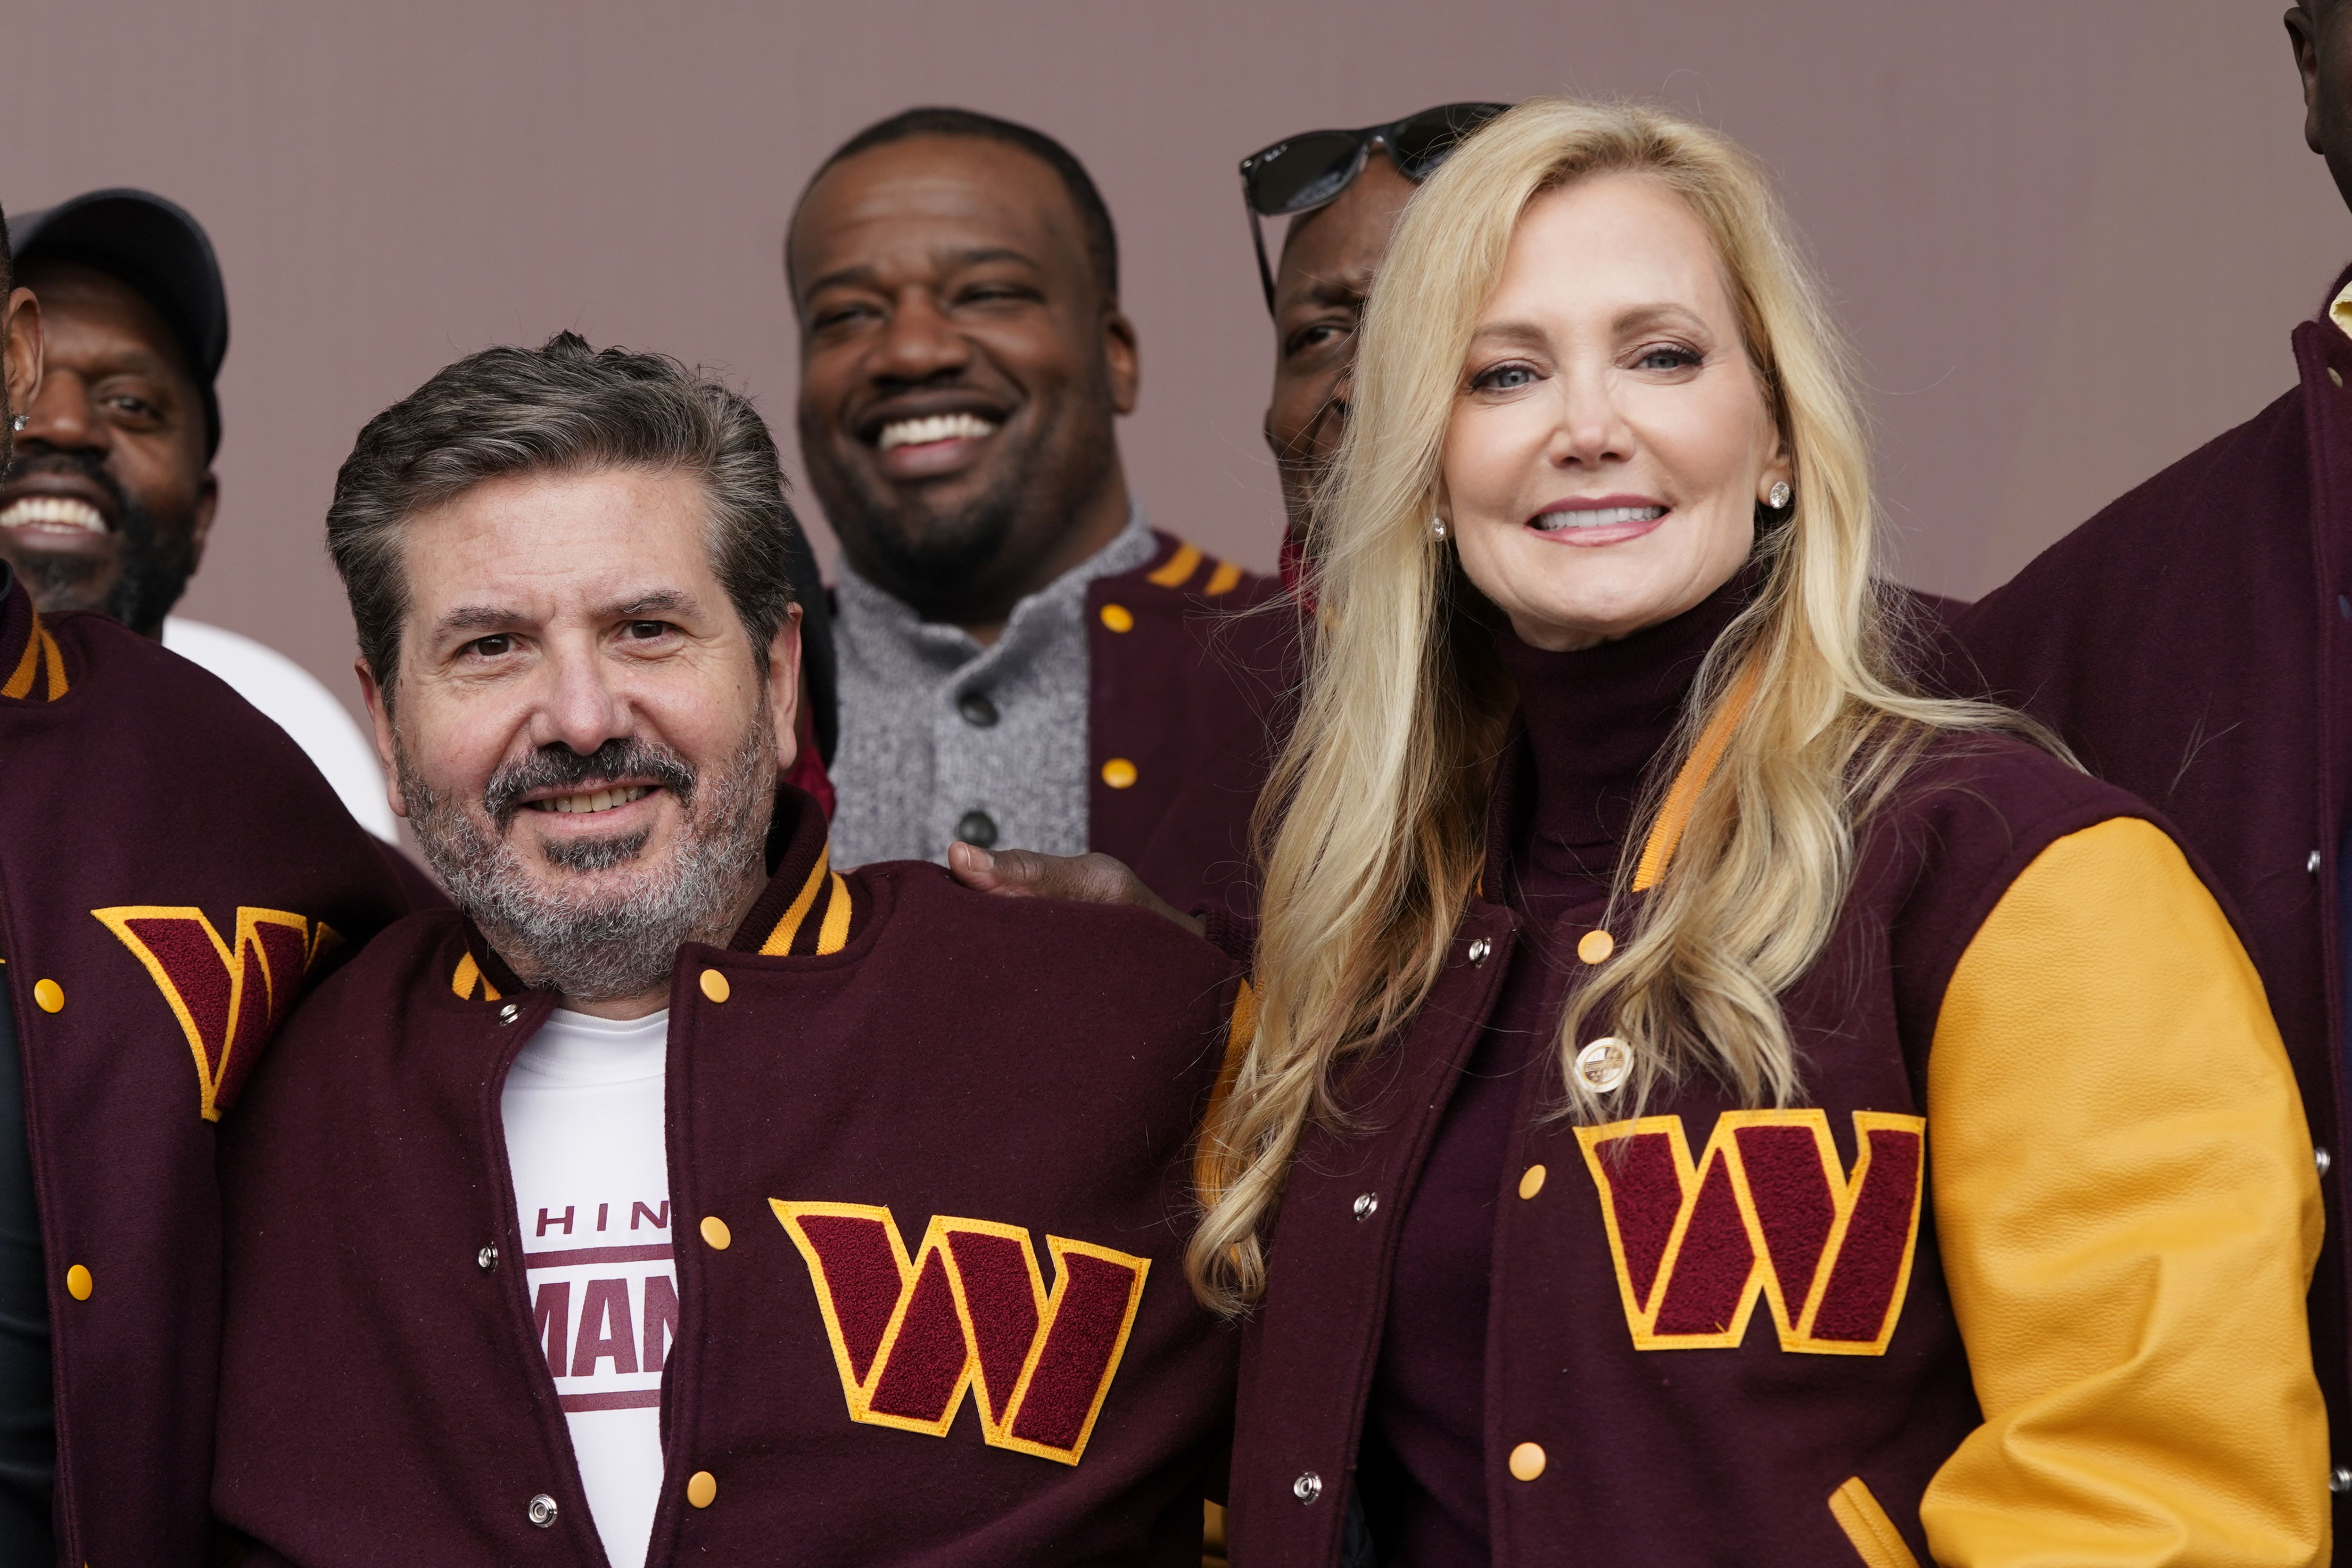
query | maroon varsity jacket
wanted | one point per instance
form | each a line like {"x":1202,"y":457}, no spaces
{"x":928,"y":1150}
{"x":2017,"y":1280}
{"x":2192,"y":643}
{"x":1192,"y":662}
{"x":173,"y":871}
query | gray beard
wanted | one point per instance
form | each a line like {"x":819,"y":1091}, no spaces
{"x":604,"y":944}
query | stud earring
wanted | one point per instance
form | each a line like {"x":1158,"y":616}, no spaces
{"x":19,"y":422}
{"x":1437,"y":528}
{"x":1778,"y":498}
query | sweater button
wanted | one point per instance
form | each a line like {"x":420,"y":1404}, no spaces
{"x":1526,"y":1461}
{"x":977,"y":710}
{"x":1594,"y":947}
{"x":1310,"y":1485}
{"x":702,"y":1488}
{"x":540,"y":1511}
{"x":977,"y":828}
{"x":1367,"y":1204}
{"x":1479,"y":949}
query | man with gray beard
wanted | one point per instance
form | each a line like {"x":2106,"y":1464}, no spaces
{"x":458,"y":1313}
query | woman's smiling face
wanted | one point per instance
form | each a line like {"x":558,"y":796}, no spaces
{"x":1610,"y":440}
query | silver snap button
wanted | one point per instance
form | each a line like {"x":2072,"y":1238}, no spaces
{"x":2311,"y":864}
{"x":1310,"y":1485}
{"x":2322,"y":1159}
{"x":542,"y":1511}
{"x":508,"y":1014}
{"x":1604,"y":1063}
{"x":1479,"y":949}
{"x":2339,"y":1479}
{"x":487,"y":1257}
{"x":1367,"y":1203}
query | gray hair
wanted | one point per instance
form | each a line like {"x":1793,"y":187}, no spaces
{"x":564,"y":407}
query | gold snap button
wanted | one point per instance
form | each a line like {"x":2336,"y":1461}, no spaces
{"x":1604,"y":1063}
{"x":701,"y":1488}
{"x":1119,"y":617}
{"x":715,"y":986}
{"x":1527,"y":1462}
{"x":1594,"y":947}
{"x":715,"y":1232}
{"x":49,"y":996}
{"x":1119,"y":773}
{"x":1531,"y":1182}
{"x":79,"y":1284}
{"x":2334,"y":376}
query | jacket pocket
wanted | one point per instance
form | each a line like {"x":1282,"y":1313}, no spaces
{"x":1875,"y":1540}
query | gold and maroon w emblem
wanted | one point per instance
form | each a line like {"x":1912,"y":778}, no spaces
{"x":969,"y":1311}
{"x":228,"y":997}
{"x":1766,"y":1212}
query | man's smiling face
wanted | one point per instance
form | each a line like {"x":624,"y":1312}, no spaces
{"x":112,"y":497}
{"x":581,"y":729}
{"x":961,"y":368}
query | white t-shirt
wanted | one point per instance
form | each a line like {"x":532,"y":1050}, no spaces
{"x":585,"y":1136}
{"x":303,"y":708}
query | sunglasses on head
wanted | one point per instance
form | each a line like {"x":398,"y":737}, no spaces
{"x":1303,"y":173}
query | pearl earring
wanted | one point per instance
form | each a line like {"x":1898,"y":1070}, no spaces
{"x":1437,"y":528}
{"x":1778,"y":499}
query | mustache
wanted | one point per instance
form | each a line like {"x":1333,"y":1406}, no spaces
{"x":558,"y":767}
{"x":41,"y":457}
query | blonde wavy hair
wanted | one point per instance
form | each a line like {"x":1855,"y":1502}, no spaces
{"x":1374,"y":824}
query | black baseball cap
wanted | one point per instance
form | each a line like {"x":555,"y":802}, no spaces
{"x":158,"y":249}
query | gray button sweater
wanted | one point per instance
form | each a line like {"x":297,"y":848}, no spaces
{"x":912,"y":763}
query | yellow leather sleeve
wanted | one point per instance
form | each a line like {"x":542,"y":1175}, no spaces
{"x":2129,"y":1216}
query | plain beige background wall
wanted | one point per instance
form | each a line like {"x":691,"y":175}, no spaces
{"x":2069,"y":236}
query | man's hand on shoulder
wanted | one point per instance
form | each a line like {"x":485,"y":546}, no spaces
{"x":1073,"y":879}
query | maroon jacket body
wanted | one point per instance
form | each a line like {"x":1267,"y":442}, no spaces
{"x":1727,"y":1336}
{"x":173,"y":870}
{"x":969,"y":1112}
{"x":1192,"y":662}
{"x":2192,"y":643}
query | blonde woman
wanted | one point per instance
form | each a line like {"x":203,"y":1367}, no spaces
{"x":1711,"y":1103}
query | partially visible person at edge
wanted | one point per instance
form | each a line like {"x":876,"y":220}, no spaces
{"x":876,"y":1112}
{"x":1751,"y":1004}
{"x":1342,"y":191}
{"x":173,"y":871}
{"x":2193,"y":643}
{"x":1024,"y":661}
{"x":113,"y":499}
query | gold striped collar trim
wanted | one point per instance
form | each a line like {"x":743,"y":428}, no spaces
{"x":833,"y":926}
{"x":40,"y":648}
{"x":1682,"y":796}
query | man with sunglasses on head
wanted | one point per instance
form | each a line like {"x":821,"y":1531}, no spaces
{"x":1024,"y":662}
{"x":1343,"y":192}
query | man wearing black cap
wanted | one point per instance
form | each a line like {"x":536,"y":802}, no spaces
{"x":110,"y":504}
{"x":173,"y":872}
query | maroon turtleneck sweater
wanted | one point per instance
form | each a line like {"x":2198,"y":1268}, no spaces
{"x":1594,"y":719}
